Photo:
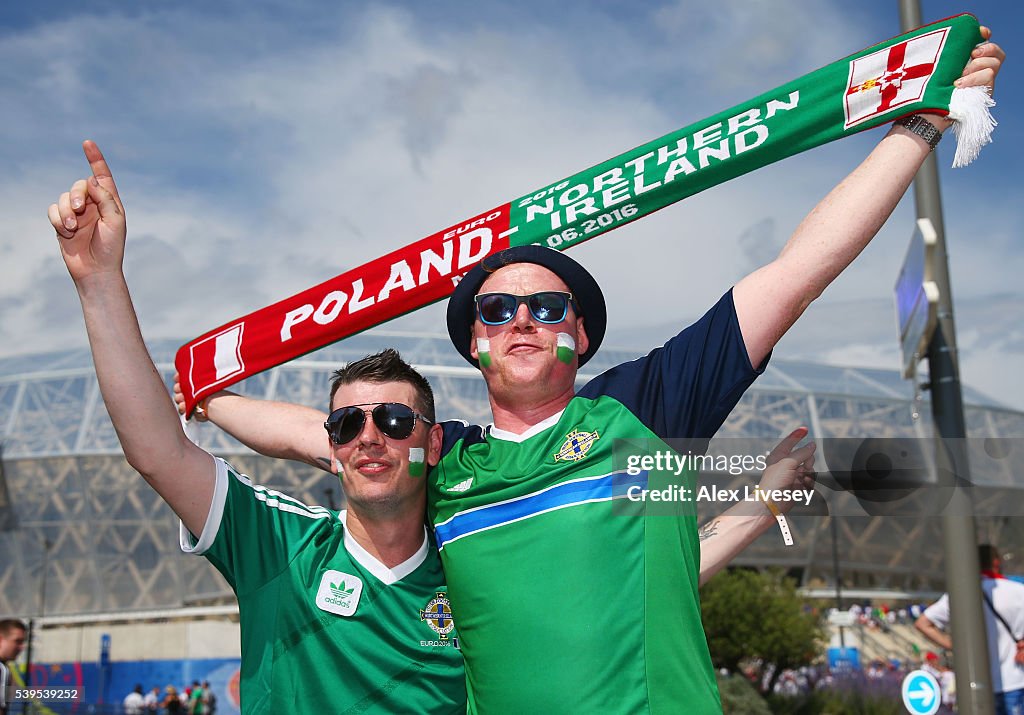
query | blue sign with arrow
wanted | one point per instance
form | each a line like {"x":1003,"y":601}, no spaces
{"x":921,"y":693}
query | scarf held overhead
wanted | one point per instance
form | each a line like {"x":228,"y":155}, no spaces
{"x":908,"y":74}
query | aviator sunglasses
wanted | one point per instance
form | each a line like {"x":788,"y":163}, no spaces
{"x":549,"y":306}
{"x":393,"y":419}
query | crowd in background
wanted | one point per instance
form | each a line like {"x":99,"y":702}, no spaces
{"x":195,"y":699}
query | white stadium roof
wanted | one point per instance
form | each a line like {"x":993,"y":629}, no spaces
{"x":109,"y":543}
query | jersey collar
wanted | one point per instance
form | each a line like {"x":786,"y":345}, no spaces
{"x":368,"y":561}
{"x":535,"y":430}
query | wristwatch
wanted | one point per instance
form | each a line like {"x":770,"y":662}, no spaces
{"x":922,"y":128}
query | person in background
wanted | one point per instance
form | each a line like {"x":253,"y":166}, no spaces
{"x":195,"y":699}
{"x":172,"y":701}
{"x":209,"y":698}
{"x":153,"y":700}
{"x":134,"y":702}
{"x":1004,"y":624}
{"x":13,"y":636}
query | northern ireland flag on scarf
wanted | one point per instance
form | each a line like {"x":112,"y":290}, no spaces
{"x":908,"y":74}
{"x":892,"y":77}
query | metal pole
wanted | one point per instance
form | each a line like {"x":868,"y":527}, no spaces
{"x":967,"y":622}
{"x":32,"y":621}
{"x":835,"y":568}
{"x":28,"y":662}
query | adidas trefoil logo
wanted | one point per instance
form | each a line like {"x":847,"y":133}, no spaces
{"x":339,"y":593}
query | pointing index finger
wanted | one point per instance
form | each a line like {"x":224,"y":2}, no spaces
{"x":100,"y":169}
{"x":787,"y":444}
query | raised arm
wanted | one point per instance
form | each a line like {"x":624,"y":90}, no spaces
{"x":724,"y":537}
{"x":90,"y":224}
{"x":769,"y":300}
{"x":933,"y":633}
{"x":275,"y":429}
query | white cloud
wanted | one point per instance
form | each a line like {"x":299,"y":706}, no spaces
{"x":260,"y":154}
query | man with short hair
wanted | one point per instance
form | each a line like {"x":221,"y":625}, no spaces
{"x":195,"y":699}
{"x":13,"y":636}
{"x":340,"y":612}
{"x":134,"y":702}
{"x":1004,"y":623}
{"x":209,"y":698}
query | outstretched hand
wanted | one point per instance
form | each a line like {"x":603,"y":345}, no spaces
{"x":986,"y":60}
{"x":790,"y":468}
{"x":89,"y":221}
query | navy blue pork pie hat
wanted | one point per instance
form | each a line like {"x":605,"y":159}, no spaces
{"x":585,"y":290}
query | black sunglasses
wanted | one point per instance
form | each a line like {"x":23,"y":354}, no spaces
{"x":393,"y":419}
{"x":549,"y":306}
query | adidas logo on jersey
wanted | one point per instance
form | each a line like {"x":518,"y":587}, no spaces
{"x":339,"y":593}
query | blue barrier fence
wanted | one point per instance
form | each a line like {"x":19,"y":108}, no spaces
{"x":104,"y":685}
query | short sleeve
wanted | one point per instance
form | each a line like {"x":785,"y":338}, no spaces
{"x":688,"y":387}
{"x":938,"y":612}
{"x":252,"y":533}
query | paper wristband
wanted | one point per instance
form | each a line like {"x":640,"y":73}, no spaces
{"x":787,"y":536}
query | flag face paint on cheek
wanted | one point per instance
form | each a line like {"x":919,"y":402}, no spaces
{"x":417,"y":464}
{"x":483,"y":348}
{"x":566,"y":348}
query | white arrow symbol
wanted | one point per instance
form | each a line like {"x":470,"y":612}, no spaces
{"x":925,"y":694}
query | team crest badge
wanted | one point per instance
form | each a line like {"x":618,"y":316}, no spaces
{"x":576,"y":446}
{"x":438,"y":615}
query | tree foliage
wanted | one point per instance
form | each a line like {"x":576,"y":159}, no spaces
{"x":758,"y":616}
{"x":739,"y":697}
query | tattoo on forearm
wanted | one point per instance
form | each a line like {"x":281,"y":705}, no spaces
{"x":708,"y":530}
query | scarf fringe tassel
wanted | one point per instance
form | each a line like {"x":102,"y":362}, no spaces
{"x":969,"y":108}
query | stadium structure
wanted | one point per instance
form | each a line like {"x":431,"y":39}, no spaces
{"x":91,"y":552}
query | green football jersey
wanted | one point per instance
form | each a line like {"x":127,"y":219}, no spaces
{"x":325,"y":627}
{"x":569,"y":596}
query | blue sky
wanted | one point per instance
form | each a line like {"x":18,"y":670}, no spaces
{"x":263,"y":147}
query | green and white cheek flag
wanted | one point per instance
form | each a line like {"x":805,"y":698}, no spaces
{"x":483,"y":348}
{"x":417,"y":462}
{"x":908,"y":74}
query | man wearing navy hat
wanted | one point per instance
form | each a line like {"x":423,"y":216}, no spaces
{"x":543,"y":556}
